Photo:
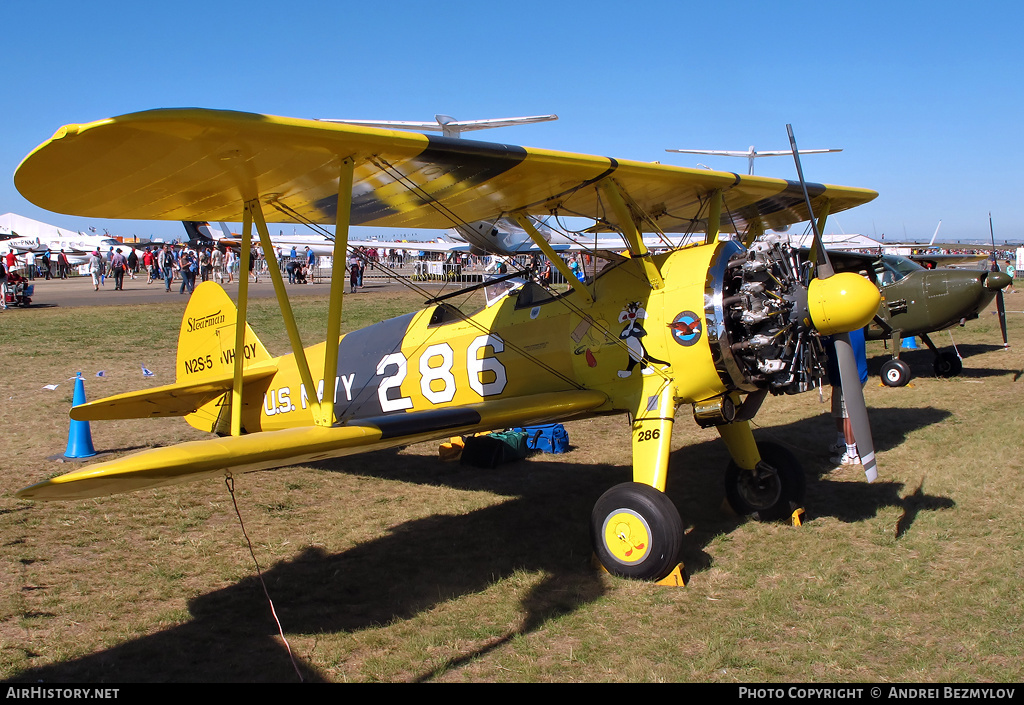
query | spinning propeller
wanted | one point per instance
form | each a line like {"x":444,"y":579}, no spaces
{"x":827,"y":286}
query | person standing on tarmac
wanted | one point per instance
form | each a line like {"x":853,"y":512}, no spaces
{"x":96,"y":266}
{"x":118,"y":265}
{"x":165,"y":260}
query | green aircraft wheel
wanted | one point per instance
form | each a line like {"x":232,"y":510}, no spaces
{"x":895,"y":373}
{"x":948,"y":364}
{"x":636,"y":532}
{"x":774,"y":492}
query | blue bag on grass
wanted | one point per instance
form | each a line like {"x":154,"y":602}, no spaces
{"x":547,"y":438}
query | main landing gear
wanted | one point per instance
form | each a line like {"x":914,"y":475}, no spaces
{"x":896,"y":373}
{"x":772,"y":491}
{"x":636,"y":532}
{"x":947,"y":364}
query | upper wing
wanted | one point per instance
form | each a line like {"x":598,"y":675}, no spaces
{"x":191,"y":164}
{"x":940,"y":260}
{"x":274,"y":449}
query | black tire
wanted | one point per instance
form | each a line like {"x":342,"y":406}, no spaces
{"x":895,"y":373}
{"x":636,"y":532}
{"x":948,"y":364}
{"x":775,"y":493}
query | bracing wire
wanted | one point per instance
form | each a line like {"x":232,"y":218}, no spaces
{"x":230,"y":482}
{"x":429,"y":200}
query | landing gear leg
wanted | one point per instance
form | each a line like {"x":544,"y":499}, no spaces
{"x":895,"y":372}
{"x":947,"y":364}
{"x":635,"y":528}
{"x":763,"y":479}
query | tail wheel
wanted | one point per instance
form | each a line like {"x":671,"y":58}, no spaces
{"x":948,"y":364}
{"x":895,"y":373}
{"x":773,"y":491}
{"x":636,"y":532}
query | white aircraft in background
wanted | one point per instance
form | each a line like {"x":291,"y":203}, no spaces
{"x":27,"y":235}
{"x":446,"y":124}
{"x":751,"y":154}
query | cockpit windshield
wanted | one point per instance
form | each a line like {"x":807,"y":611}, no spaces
{"x":892,"y":268}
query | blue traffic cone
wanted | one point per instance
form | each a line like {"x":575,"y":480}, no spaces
{"x":909,"y":343}
{"x":80,"y":435}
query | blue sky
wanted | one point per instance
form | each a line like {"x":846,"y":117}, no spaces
{"x":926,"y":100}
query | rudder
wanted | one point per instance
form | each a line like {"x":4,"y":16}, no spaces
{"x":206,"y":348}
{"x":206,"y":340}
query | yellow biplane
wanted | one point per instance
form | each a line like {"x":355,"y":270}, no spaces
{"x":716,"y":326}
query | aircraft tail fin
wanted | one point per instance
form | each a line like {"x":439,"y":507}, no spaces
{"x":206,"y":352}
{"x":206,"y":340}
{"x":204,"y":369}
{"x":200,"y":234}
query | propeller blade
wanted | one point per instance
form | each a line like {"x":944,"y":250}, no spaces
{"x":853,"y":396}
{"x":853,"y":392}
{"x":999,"y":293}
{"x":1002,"y":316}
{"x":822,"y":264}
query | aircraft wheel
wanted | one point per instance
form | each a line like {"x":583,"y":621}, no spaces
{"x":774,"y":492}
{"x":948,"y":364}
{"x":895,"y":373}
{"x":636,"y":532}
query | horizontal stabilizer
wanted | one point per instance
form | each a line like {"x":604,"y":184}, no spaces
{"x":178,"y":399}
{"x":273,"y":449}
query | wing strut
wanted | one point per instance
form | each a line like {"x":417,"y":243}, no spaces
{"x":323,"y":407}
{"x":241,"y":322}
{"x":338,"y":266}
{"x":637,"y":249}
{"x":256,"y":210}
{"x":755,"y":231}
{"x":549,"y":252}
{"x":714,"y":217}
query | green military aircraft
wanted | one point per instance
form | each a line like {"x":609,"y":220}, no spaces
{"x":917,"y":301}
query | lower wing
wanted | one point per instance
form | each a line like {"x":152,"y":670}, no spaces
{"x":274,"y":449}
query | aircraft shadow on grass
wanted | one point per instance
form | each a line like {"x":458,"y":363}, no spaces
{"x":542,"y":527}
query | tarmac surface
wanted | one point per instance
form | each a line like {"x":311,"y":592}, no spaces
{"x":77,"y":291}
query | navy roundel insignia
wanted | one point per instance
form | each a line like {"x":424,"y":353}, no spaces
{"x":686,"y":328}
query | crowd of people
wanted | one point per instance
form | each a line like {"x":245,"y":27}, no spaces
{"x":182,"y":264}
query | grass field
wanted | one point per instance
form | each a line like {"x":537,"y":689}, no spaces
{"x":393,"y":566}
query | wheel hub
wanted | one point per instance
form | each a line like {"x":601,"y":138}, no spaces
{"x":627,"y":536}
{"x":760,"y":488}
